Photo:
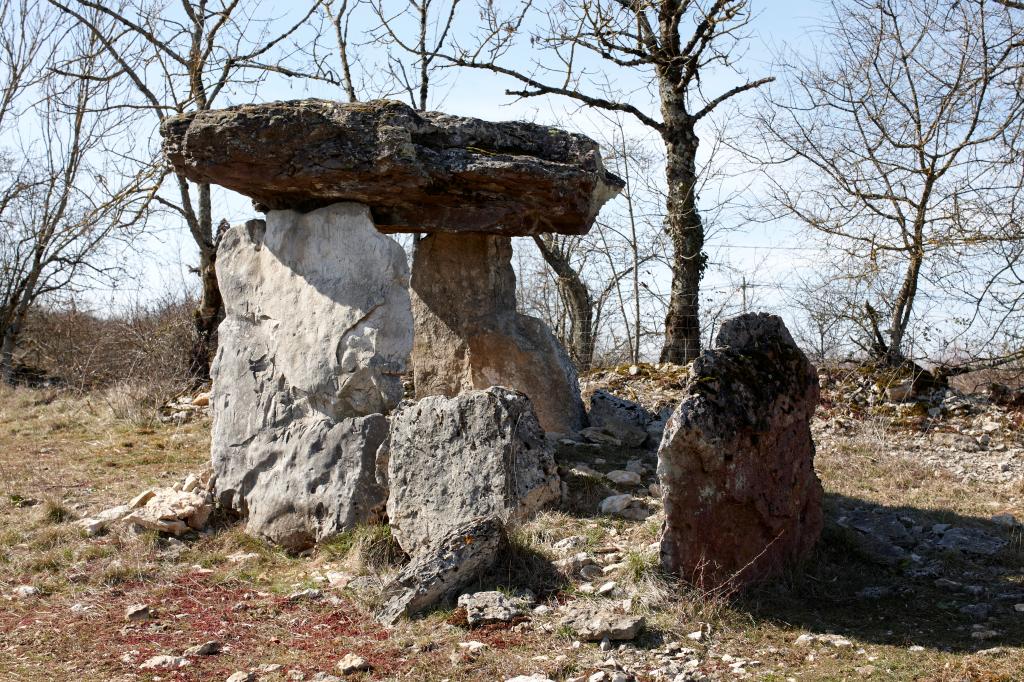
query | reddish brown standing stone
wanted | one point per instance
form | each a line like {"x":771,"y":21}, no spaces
{"x":742,"y":500}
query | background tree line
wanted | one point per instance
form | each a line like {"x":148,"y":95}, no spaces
{"x":892,"y":151}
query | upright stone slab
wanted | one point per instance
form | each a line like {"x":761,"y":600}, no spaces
{"x":317,"y":334}
{"x":736,"y":463}
{"x":469,"y":335}
{"x":453,"y":459}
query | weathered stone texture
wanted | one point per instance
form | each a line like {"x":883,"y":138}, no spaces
{"x":469,"y":335}
{"x":418,"y":171}
{"x":454,"y":459}
{"x":437,"y":574}
{"x":736,"y":464}
{"x":318,"y":331}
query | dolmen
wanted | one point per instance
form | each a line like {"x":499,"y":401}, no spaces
{"x":322,"y":316}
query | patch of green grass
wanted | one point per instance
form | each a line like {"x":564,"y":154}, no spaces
{"x":640,"y":566}
{"x":55,"y":512}
{"x":372,"y":546}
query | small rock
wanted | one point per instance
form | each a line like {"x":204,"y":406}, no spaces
{"x":615,"y":504}
{"x":483,"y":608}
{"x":269,"y":668}
{"x":201,"y":400}
{"x":1019,"y":608}
{"x":606,"y":644}
{"x":635,"y":513}
{"x":91,"y":527}
{"x":916,"y":647}
{"x":241,"y":676}
{"x":305,"y":595}
{"x":139,"y":612}
{"x":696,"y":636}
{"x":570,"y":543}
{"x":593,"y":624}
{"x":164,"y":663}
{"x":971,"y":542}
{"x":874,"y":592}
{"x":654,"y":489}
{"x":990,"y":427}
{"x":141,"y":499}
{"x":242,"y":557}
{"x":623,"y":477}
{"x":25,"y":591}
{"x":190,"y":483}
{"x":606,"y":588}
{"x":835,"y":640}
{"x":1008,"y":520}
{"x":900,"y":392}
{"x":535,"y":677}
{"x":574,"y":563}
{"x":350,"y":663}
{"x":976,"y":611}
{"x":600,"y":435}
{"x":591,"y":571}
{"x":336,"y":579}
{"x":205,"y":649}
{"x":473,"y":647}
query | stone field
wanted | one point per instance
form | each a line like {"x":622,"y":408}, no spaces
{"x":918,"y":575}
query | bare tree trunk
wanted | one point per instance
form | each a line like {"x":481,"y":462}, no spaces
{"x":208,"y":315}
{"x":684,"y":227}
{"x":7,"y":353}
{"x":578,"y":304}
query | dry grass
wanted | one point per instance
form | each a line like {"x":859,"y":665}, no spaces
{"x":63,"y":456}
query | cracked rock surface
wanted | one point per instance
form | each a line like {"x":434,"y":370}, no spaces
{"x":742,"y":500}
{"x":317,"y":333}
{"x":417,"y":171}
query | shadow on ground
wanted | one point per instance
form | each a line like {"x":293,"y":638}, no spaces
{"x":904,"y":576}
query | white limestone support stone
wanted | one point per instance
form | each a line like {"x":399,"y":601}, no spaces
{"x":318,"y":330}
{"x":481,"y":453}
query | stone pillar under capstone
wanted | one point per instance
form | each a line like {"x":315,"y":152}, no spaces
{"x":468,"y":334}
{"x":318,"y":331}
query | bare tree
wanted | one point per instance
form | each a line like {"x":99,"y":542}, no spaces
{"x":339,"y":13}
{"x":414,"y":35}
{"x":670,"y":44}
{"x":63,"y":206}
{"x":896,"y":139}
{"x":179,"y":63}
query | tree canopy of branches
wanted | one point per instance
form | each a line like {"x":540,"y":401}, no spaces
{"x":63,"y":196}
{"x":896,"y":139}
{"x":671,"y":44}
{"x":185,"y":61}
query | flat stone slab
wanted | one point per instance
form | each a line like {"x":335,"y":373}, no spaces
{"x":417,"y":171}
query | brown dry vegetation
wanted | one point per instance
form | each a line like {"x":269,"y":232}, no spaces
{"x":63,"y":455}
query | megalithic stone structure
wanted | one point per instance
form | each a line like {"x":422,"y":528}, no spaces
{"x":469,"y":184}
{"x":319,"y":322}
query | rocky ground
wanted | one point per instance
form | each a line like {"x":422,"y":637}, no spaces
{"x":919,"y":574}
